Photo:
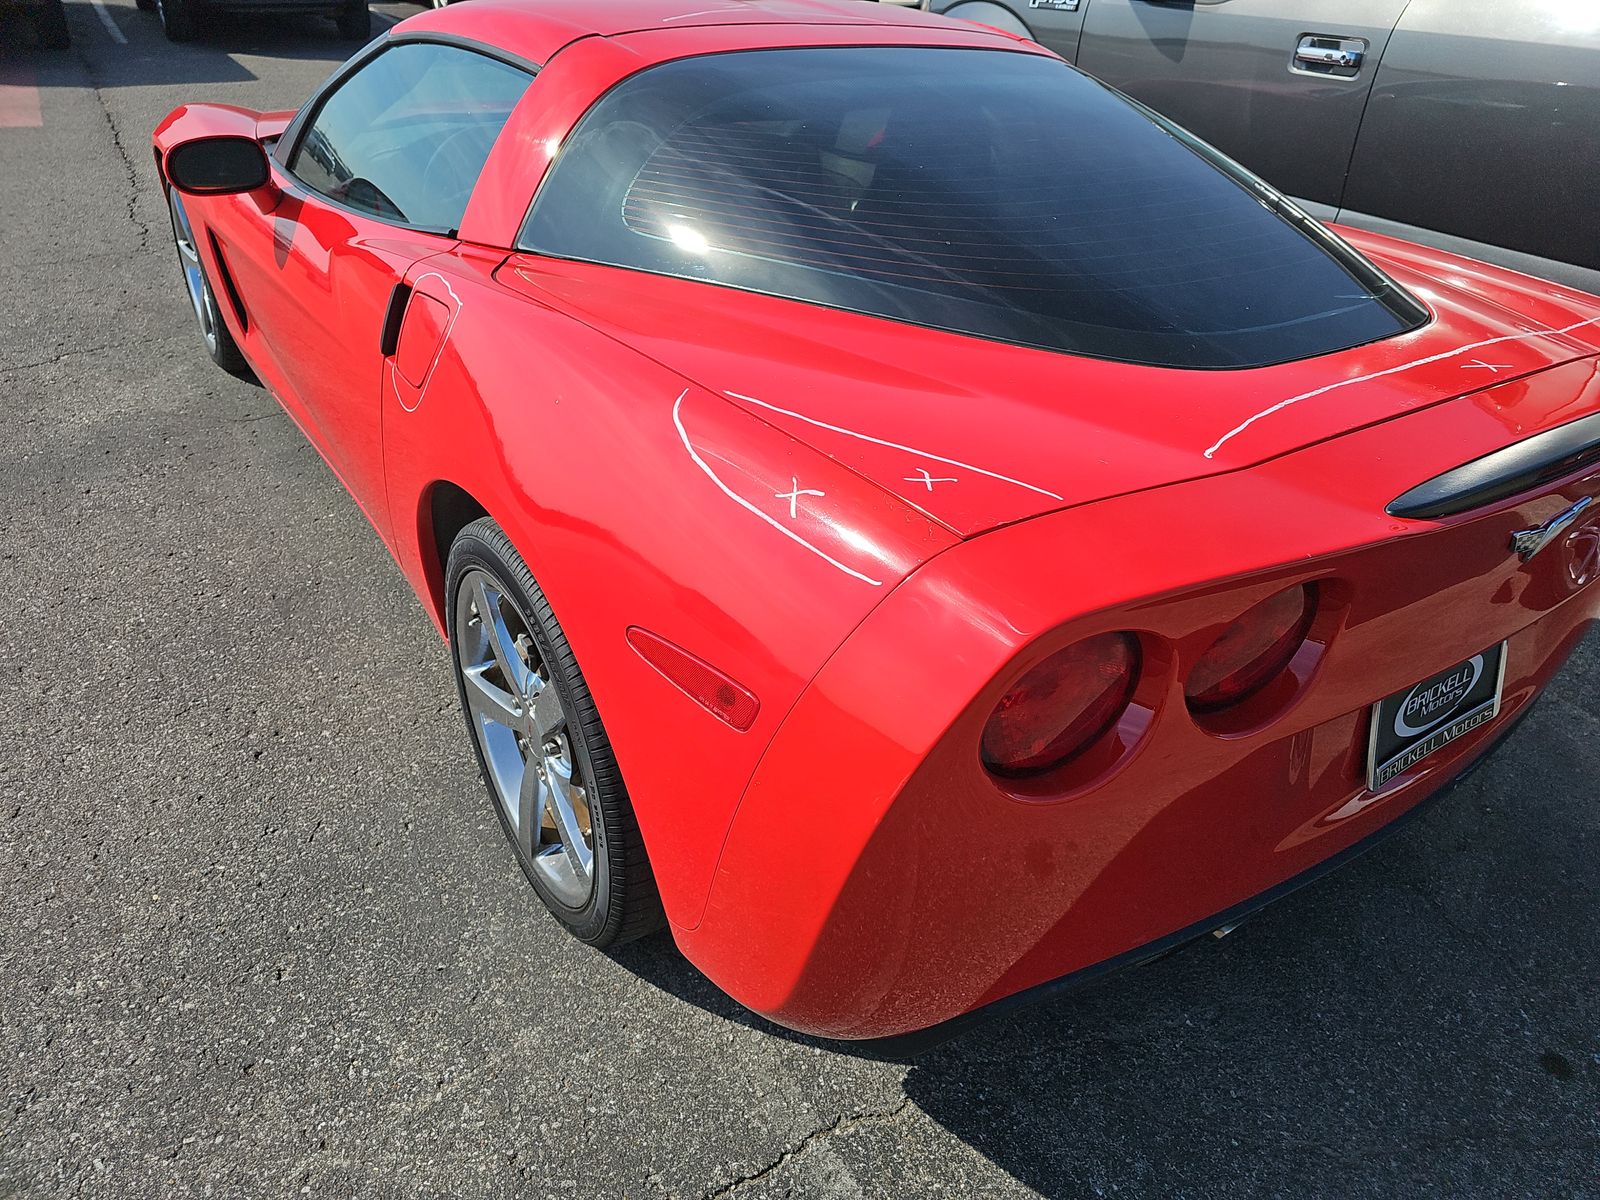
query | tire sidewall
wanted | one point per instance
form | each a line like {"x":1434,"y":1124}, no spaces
{"x":208,"y":293}
{"x":225,"y":353}
{"x":51,"y":28}
{"x":354,"y":21}
{"x":480,"y":549}
{"x":177,"y":19}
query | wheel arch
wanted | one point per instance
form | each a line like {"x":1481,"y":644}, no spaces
{"x":579,"y":447}
{"x":443,"y":511}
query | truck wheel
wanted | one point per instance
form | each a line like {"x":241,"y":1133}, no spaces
{"x":52,"y":26}
{"x":355,"y":22}
{"x":177,"y":19}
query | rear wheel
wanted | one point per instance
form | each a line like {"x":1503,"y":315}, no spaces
{"x":177,"y":19}
{"x":355,"y":22}
{"x":219,"y":343}
{"x":543,"y":752}
{"x":52,"y":26}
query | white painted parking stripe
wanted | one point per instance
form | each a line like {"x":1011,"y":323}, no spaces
{"x":105,"y":19}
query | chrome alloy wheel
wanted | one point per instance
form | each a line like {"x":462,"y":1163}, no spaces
{"x":523,"y":732}
{"x":194,"y":277}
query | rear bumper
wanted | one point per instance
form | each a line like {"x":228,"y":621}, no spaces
{"x":915,"y":1043}
{"x":876,"y":881}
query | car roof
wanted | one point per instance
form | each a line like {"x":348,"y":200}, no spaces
{"x":536,"y":29}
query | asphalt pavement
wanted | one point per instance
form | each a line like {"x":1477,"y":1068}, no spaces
{"x":259,"y":935}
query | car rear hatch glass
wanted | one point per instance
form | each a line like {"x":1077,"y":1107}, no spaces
{"x":986,"y":192}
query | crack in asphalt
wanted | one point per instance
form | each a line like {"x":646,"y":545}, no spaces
{"x":10,"y":369}
{"x":846,"y":1123}
{"x":128,"y":167}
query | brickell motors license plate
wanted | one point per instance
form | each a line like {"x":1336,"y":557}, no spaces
{"x":1410,"y":725}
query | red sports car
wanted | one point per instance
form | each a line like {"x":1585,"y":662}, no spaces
{"x":903,"y":514}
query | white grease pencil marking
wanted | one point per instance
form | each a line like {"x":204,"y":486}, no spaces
{"x":683,"y":435}
{"x":894,"y":446}
{"x":1421,"y":362}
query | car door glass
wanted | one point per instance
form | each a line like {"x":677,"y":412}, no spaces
{"x":406,"y":136}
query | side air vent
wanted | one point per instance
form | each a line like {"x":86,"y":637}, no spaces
{"x":228,"y":286}
{"x":1527,"y":464}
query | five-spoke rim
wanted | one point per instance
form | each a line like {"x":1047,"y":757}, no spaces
{"x":523,"y":732}
{"x":194,"y":278}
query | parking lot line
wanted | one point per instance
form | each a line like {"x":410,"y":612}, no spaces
{"x":19,"y":97}
{"x":105,"y":19}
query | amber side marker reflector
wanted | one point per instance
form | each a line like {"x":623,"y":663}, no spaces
{"x":699,"y":680}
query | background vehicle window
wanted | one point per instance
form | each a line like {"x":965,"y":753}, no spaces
{"x":406,"y":136}
{"x":992,"y":193}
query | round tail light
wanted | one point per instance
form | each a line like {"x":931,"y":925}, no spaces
{"x":1062,"y":706}
{"x":1253,"y":651}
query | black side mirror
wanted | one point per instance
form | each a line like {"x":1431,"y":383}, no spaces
{"x":217,"y":166}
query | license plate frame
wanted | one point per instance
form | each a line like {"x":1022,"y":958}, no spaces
{"x":1412,"y":725}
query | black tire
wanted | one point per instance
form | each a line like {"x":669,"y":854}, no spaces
{"x":355,"y":22}
{"x":146,"y":5}
{"x":177,"y":19}
{"x":51,"y":26}
{"x":214,"y":333}
{"x":623,"y":903}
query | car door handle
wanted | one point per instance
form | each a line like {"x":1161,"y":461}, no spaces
{"x":1323,"y":55}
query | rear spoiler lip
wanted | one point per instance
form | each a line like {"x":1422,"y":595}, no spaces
{"x":1535,"y":461}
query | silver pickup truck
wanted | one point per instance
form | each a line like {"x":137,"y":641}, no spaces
{"x":1468,"y":124}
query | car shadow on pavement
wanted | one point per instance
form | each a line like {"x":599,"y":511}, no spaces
{"x":1420,"y":1019}
{"x":148,"y":59}
{"x":1319,"y":1042}
{"x":305,"y":36}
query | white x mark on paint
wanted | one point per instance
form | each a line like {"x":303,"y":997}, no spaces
{"x":794,"y":494}
{"x":926,"y":479}
{"x":1478,"y":364}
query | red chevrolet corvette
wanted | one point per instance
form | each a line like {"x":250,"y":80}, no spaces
{"x":903,"y":514}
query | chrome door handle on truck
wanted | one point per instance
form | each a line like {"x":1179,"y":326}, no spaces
{"x":1323,"y":55}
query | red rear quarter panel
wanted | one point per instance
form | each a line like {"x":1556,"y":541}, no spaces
{"x":927,"y":888}
{"x":609,"y":472}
